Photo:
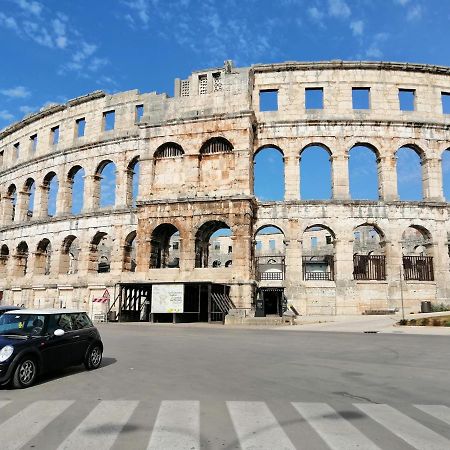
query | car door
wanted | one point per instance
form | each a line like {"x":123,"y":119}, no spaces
{"x":82,"y":336}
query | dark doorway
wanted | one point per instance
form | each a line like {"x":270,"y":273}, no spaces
{"x":273,"y":298}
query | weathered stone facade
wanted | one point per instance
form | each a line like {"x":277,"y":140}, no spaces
{"x":196,"y":153}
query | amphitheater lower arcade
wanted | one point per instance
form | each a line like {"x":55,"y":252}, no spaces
{"x":166,"y":196}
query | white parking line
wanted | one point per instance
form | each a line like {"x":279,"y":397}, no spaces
{"x":338,"y":433}
{"x":99,"y":430}
{"x":177,"y":426}
{"x":440,"y":412}
{"x":257,"y":427}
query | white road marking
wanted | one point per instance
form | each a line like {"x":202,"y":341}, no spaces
{"x":411,"y":431}
{"x":440,"y":412}
{"x":338,"y":433}
{"x":177,"y":426}
{"x":257,"y":427}
{"x":100,"y":429}
{"x":19,"y":429}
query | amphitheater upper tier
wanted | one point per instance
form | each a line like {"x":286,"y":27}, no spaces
{"x":183,"y":169}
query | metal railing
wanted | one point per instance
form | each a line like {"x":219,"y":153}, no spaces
{"x":369,"y":267}
{"x":419,"y":268}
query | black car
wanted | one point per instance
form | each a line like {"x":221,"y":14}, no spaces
{"x":6,"y":308}
{"x":36,"y":341}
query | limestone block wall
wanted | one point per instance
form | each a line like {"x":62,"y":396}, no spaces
{"x":195,"y":152}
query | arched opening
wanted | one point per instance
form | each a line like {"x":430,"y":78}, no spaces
{"x":21,"y":259}
{"x":318,"y":253}
{"x":133,"y":170}
{"x":216,"y":162}
{"x":100,"y":253}
{"x":168,"y":161}
{"x":75,"y":182}
{"x":10,"y":203}
{"x":270,"y":250}
{"x":315,"y":173}
{"x":268,"y":174}
{"x":165,"y":247}
{"x":446,"y":173}
{"x":416,"y":251}
{"x":369,"y":261}
{"x":42,"y":261}
{"x":203,"y":255}
{"x":129,"y":253}
{"x":106,"y":173}
{"x":363,"y":172}
{"x":409,"y":173}
{"x":220,"y":248}
{"x":70,"y":255}
{"x":50,"y":187}
{"x":29,"y":191}
{"x":4,"y":258}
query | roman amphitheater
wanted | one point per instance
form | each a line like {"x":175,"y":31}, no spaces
{"x":184,"y":224}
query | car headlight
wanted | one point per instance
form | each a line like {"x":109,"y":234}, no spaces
{"x":6,"y":352}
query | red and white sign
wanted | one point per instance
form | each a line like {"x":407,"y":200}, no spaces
{"x":104,"y":298}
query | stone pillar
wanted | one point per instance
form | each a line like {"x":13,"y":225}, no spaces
{"x":343,"y":276}
{"x":291,"y":178}
{"x":242,"y":251}
{"x":192,"y":172}
{"x":145,"y":178}
{"x":41,"y":201}
{"x":64,"y":198}
{"x":121,"y":191}
{"x":7,"y":209}
{"x":91,"y":197}
{"x":340,"y":180}
{"x":22,"y":206}
{"x":387,"y":178}
{"x":293,"y":261}
{"x":432,"y":179}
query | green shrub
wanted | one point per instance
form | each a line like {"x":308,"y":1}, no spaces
{"x":425,"y":321}
{"x":439,"y":307}
{"x":413,"y":322}
{"x":403,"y":322}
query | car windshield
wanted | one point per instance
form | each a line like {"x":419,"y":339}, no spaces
{"x":22,"y":324}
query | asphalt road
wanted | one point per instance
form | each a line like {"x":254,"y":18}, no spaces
{"x":177,"y":387}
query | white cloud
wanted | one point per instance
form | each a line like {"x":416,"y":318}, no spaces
{"x":6,"y":115}
{"x":84,"y":61}
{"x":8,"y":22}
{"x":374,"y":50}
{"x":26,"y":109}
{"x":31,"y":7}
{"x":316,"y":14}
{"x":16,"y":92}
{"x":402,"y":2}
{"x":141,"y":9}
{"x":414,"y":13}
{"x":338,"y":8}
{"x":357,"y":27}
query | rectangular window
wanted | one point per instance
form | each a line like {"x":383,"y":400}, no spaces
{"x":268,"y":100}
{"x":1,"y":158}
{"x":357,"y":235}
{"x":16,"y":150}
{"x":361,"y":98}
{"x":230,"y":249}
{"x":217,"y":246}
{"x":202,"y":84}
{"x":407,"y":99}
{"x":109,"y":117}
{"x":55,"y":135}
{"x":272,"y":244}
{"x":185,"y":88}
{"x":446,"y":102}
{"x":217,"y":82}
{"x":81,"y":125}
{"x":139,"y":113}
{"x":175,"y":245}
{"x":314,"y":242}
{"x":34,"y":141}
{"x":314,"y":98}
{"x":328,"y":239}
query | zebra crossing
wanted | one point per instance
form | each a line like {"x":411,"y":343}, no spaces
{"x":177,"y":425}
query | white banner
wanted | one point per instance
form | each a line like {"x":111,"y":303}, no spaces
{"x":167,"y":298}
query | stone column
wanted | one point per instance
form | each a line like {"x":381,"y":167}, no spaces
{"x":291,"y":177}
{"x":340,"y":180}
{"x":64,"y":198}
{"x":121,"y":191}
{"x":432,"y":179}
{"x":7,"y":210}
{"x":41,"y":202}
{"x":387,"y":178}
{"x":343,"y":276}
{"x":242,"y":251}
{"x":145,"y":178}
{"x":22,"y":206}
{"x":91,"y":197}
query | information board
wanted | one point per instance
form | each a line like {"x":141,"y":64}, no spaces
{"x":167,"y":298}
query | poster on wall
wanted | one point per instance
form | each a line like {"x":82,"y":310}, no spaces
{"x":167,"y":298}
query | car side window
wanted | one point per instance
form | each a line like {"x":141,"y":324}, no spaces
{"x":80,"y":321}
{"x":65,"y":323}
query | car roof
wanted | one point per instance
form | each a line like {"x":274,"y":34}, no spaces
{"x":48,"y":311}
{"x":10,"y":307}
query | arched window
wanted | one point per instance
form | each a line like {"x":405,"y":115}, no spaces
{"x":22,"y":259}
{"x":211,"y":232}
{"x":169,"y":150}
{"x":101,"y":249}
{"x":29,"y":190}
{"x":75,"y":182}
{"x":369,"y":262}
{"x":106,"y":172}
{"x":270,"y":251}
{"x":268,"y":174}
{"x":409,"y":173}
{"x":50,"y":187}
{"x":216,"y":145}
{"x":133,"y":181}
{"x":417,"y":260}
{"x":363,"y":172}
{"x":11,"y":202}
{"x":129,"y":253}
{"x":70,"y":254}
{"x":315,"y":173}
{"x":4,"y":258}
{"x":42,"y":261}
{"x":168,"y":170}
{"x":318,"y":253}
{"x":165,"y":247}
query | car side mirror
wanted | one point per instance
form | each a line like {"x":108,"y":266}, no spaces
{"x":58,"y":332}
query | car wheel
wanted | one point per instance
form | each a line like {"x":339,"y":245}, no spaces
{"x":25,"y":373}
{"x":93,"y":358}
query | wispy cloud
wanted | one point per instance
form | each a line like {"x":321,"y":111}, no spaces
{"x":414,"y":13}
{"x":16,"y":92}
{"x":6,"y":115}
{"x":357,"y":27}
{"x":30,"y":6}
{"x":338,"y":8}
{"x":375,"y":47}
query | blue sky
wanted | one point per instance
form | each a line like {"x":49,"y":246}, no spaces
{"x":56,"y":50}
